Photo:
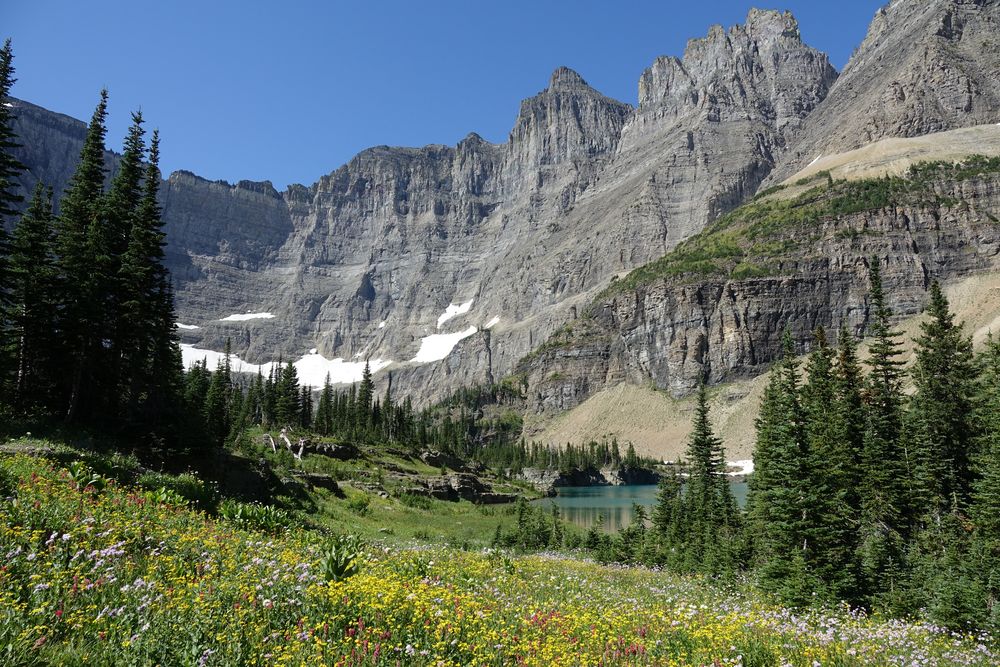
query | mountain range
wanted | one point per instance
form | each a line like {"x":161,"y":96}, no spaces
{"x":555,"y":257}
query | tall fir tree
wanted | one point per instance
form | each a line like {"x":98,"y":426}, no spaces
{"x":287,"y":407}
{"x":107,"y":238}
{"x":33,"y":303}
{"x":830,"y":470}
{"x":883,"y":490}
{"x":80,"y":313}
{"x":985,"y":507}
{"x":10,"y":169}
{"x":777,"y":512}
{"x":940,"y":420}
{"x":709,"y":505}
{"x":323,"y":422}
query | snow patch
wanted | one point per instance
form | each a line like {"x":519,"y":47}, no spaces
{"x":11,"y":106}
{"x":452,"y":310}
{"x":247,"y":316}
{"x":815,"y":160}
{"x":313,"y":351}
{"x":492,"y":323}
{"x":186,"y":326}
{"x":745,"y":467}
{"x":381,"y":325}
{"x":438,"y":346}
{"x":311,"y":368}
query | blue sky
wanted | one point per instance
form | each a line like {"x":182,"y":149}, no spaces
{"x":290,"y":91}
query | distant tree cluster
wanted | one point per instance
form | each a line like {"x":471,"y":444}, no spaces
{"x":86,"y":309}
{"x":861,"y":492}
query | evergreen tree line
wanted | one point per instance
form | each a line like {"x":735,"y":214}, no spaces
{"x":86,"y":308}
{"x":861,"y":492}
{"x":229,"y":404}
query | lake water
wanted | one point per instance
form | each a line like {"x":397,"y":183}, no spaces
{"x":583,"y":505}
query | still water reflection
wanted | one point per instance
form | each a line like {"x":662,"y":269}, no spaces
{"x":583,"y":505}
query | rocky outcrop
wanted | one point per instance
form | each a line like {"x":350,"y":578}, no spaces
{"x":925,"y":66}
{"x":547,"y":481}
{"x":362,"y":263}
{"x":673,"y":330}
{"x":459,"y":486}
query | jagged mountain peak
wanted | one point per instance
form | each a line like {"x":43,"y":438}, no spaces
{"x":564,"y":79}
{"x":923,"y":67}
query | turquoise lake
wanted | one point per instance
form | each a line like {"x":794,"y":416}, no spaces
{"x":583,"y":505}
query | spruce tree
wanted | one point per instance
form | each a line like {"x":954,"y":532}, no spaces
{"x":940,"y":428}
{"x":709,"y":506}
{"x":79,"y":324}
{"x":286,"y":407}
{"x":829,"y":471}
{"x":985,"y":507}
{"x":323,"y":421}
{"x":777,"y":510}
{"x":883,"y":490}
{"x":33,"y":303}
{"x":10,"y":169}
{"x":108,"y":239}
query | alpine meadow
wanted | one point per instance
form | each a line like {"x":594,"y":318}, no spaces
{"x":708,"y":378}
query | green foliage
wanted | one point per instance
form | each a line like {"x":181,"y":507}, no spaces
{"x":342,"y":558}
{"x":255,"y":516}
{"x":187,"y":486}
{"x":359,"y":503}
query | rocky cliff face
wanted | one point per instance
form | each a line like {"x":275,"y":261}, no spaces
{"x":369,"y":261}
{"x":711,"y":322}
{"x":924,"y":66}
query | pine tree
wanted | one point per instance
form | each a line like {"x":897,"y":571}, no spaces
{"x":10,"y":169}
{"x":829,"y":469}
{"x":985,"y":507}
{"x":286,"y":407}
{"x":777,"y":499}
{"x":323,"y":422}
{"x":33,"y":302}
{"x":306,"y":408}
{"x":366,"y":392}
{"x":217,"y":401}
{"x":883,"y":498}
{"x":940,"y":428}
{"x":111,"y":287}
{"x":79,"y":324}
{"x":708,"y":505}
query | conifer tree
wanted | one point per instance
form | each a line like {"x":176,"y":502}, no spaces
{"x":708,"y":504}
{"x":286,"y":407}
{"x":306,"y":408}
{"x":79,"y":324}
{"x":829,"y":470}
{"x":10,"y":169}
{"x":33,"y":302}
{"x":940,"y":428}
{"x":218,"y":399}
{"x":883,"y":500}
{"x":107,"y":239}
{"x":777,"y":499}
{"x":985,"y":507}
{"x":323,"y":421}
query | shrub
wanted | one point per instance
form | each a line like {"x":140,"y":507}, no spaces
{"x":359,"y":503}
{"x":186,"y":486}
{"x":254,"y":516}
{"x":415,"y":501}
